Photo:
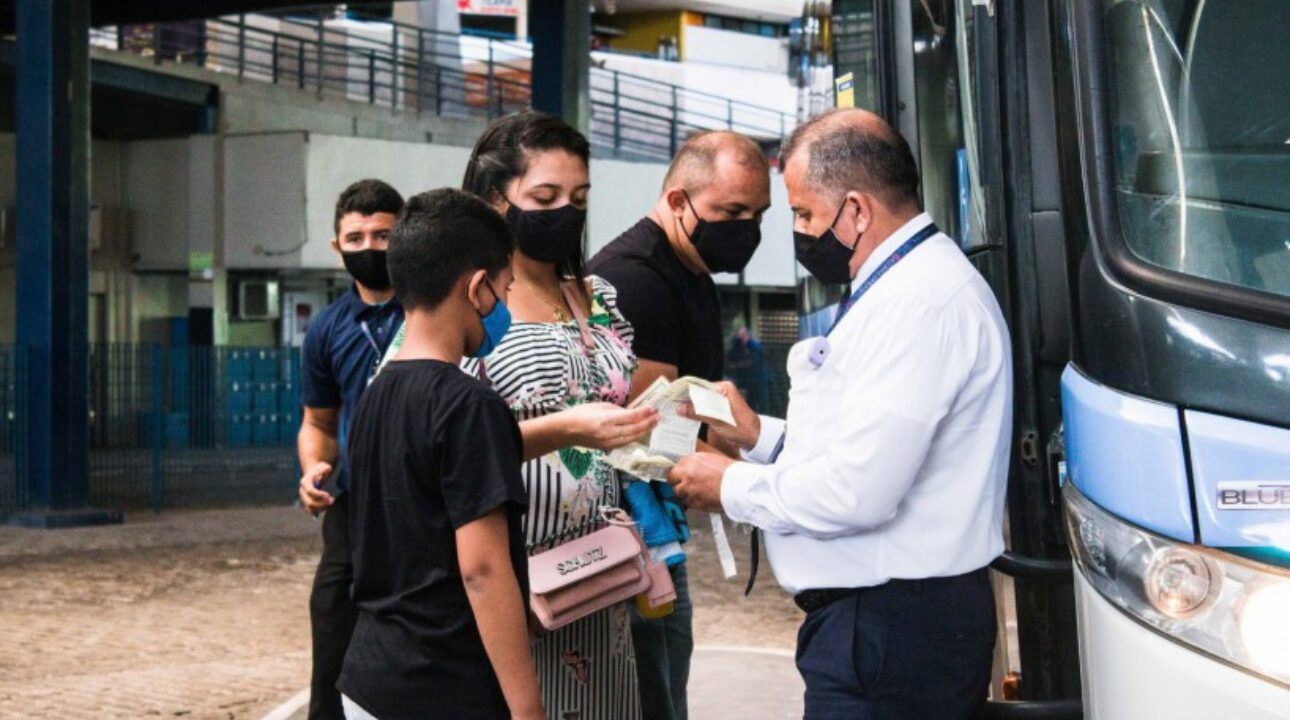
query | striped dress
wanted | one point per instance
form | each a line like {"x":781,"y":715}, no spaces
{"x":587,"y":669}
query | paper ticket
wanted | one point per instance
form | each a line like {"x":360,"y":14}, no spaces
{"x":711,"y":405}
{"x":668,"y":397}
{"x":724,"y":553}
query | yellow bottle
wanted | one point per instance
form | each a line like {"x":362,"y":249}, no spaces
{"x":651,"y":613}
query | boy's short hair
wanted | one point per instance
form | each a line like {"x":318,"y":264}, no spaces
{"x":440,"y":235}
{"x":367,"y":197}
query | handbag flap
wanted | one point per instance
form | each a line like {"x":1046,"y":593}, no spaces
{"x":582,"y":557}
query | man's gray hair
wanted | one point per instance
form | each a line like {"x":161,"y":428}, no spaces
{"x":866,"y":156}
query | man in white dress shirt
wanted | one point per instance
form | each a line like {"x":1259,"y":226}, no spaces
{"x":881,"y":494}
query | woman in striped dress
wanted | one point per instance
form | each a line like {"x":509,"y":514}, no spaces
{"x":568,"y":345}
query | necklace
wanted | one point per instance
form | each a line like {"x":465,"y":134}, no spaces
{"x":557,"y":308}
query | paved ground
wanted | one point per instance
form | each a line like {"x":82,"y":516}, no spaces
{"x":191,"y":615}
{"x":740,"y":684}
{"x":204,"y":615}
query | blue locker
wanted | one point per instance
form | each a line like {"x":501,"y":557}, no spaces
{"x":239,"y":431}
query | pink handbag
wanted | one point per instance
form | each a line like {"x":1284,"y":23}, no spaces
{"x":590,"y":573}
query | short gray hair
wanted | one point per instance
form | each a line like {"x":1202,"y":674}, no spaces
{"x":847,"y":156}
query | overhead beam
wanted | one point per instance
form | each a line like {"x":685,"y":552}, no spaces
{"x":561,"y":32}
{"x":133,"y":12}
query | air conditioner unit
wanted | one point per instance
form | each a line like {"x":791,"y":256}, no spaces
{"x":257,"y":300}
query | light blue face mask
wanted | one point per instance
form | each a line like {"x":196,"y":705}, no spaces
{"x":496,"y":323}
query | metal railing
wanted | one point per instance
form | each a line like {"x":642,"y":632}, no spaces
{"x":172,"y":426}
{"x":413,"y":69}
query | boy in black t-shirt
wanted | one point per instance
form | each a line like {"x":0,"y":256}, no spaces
{"x":440,"y":575}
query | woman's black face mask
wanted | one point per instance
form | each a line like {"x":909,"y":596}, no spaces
{"x":727,"y":245}
{"x":548,"y":236}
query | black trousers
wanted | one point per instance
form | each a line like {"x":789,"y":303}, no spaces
{"x":916,"y":649}
{"x":332,"y":613}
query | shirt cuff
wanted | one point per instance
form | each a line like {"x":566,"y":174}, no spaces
{"x":736,"y":484}
{"x":772,"y":429}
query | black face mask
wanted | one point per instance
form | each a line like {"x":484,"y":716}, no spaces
{"x":725,"y":246}
{"x":368,"y":268}
{"x":548,"y":236}
{"x":825,"y":256}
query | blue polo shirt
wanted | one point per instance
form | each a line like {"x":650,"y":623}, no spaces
{"x":343,"y":346}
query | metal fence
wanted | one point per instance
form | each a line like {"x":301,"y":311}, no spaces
{"x":173,"y":426}
{"x":413,"y":69}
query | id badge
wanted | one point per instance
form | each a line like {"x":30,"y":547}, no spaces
{"x":808,"y":355}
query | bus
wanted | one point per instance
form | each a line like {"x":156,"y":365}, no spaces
{"x":1119,"y":170}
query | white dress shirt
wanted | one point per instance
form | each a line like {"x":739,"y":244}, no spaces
{"x":895,"y":460}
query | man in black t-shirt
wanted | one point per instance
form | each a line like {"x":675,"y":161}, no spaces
{"x":707,"y":219}
{"x":440,"y":574}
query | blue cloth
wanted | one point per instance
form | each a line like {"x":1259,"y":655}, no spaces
{"x":342,"y":348}
{"x":672,"y":506}
{"x":652,"y":519}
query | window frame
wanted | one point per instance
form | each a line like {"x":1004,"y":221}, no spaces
{"x":1086,"y":45}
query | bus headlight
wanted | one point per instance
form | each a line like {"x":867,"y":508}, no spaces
{"x":1265,"y":627}
{"x":1178,"y":582}
{"x":1233,"y":609}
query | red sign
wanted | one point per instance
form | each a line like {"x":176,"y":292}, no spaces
{"x":507,"y":8}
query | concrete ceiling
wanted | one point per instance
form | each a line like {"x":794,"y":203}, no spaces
{"x":780,"y":11}
{"x":126,"y":12}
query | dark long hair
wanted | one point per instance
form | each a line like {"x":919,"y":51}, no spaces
{"x":501,"y":155}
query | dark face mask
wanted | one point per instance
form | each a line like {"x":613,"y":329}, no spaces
{"x":368,"y":268}
{"x":548,"y":236}
{"x":725,"y":246}
{"x":825,"y":256}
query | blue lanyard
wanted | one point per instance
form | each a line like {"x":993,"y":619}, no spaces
{"x":847,"y":303}
{"x":385,"y":327}
{"x":367,"y":332}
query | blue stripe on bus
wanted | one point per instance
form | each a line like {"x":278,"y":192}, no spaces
{"x":1126,"y":455}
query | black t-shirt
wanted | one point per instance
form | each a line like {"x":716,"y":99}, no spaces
{"x":430,"y":450}
{"x":675,"y":312}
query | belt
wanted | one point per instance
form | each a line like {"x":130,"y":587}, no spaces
{"x":812,"y":600}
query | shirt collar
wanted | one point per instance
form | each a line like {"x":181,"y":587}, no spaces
{"x":359,"y":309}
{"x":888,"y":246}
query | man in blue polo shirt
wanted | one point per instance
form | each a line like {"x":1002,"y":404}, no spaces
{"x":342,"y":349}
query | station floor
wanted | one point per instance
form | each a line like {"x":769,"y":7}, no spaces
{"x":204,"y":615}
{"x":726,"y":683}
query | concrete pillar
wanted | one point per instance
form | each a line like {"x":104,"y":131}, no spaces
{"x":441,"y":82}
{"x":207,"y":276}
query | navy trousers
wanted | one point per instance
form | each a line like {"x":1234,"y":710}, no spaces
{"x":909,"y":649}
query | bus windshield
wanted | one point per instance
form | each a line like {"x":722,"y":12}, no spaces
{"x":1200,"y":103}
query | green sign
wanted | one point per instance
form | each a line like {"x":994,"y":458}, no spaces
{"x":200,"y":260}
